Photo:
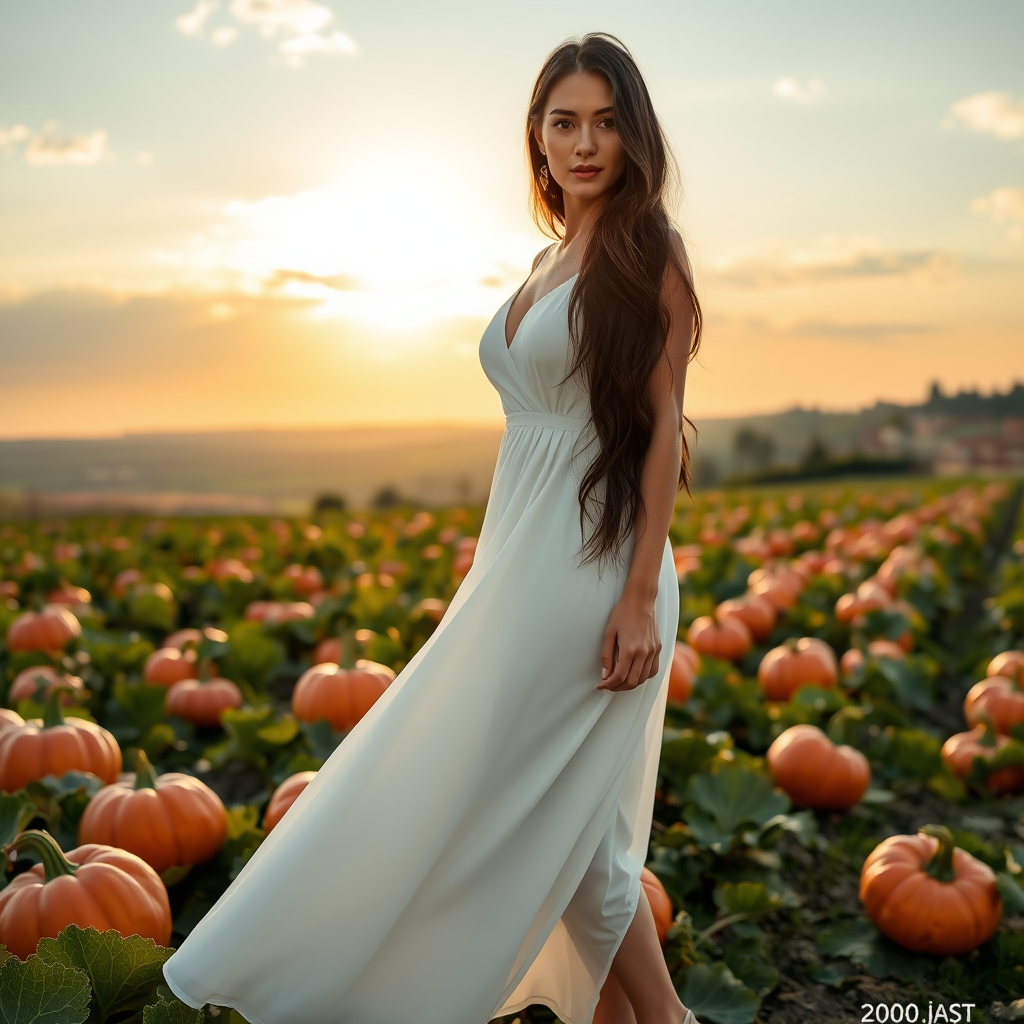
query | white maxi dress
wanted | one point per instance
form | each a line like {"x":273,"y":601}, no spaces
{"x":475,"y":843}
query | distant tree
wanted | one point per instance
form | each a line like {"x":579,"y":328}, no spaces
{"x":705,"y":471}
{"x":329,"y":501}
{"x":816,"y":455}
{"x":753,"y":452}
{"x":935,"y":394}
{"x":387,"y":497}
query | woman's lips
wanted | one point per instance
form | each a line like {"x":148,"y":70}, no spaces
{"x":587,"y":174}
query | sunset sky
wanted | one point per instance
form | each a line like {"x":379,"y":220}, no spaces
{"x":233,"y":213}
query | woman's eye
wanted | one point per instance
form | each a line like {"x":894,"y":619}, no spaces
{"x":609,"y":122}
{"x":561,"y":122}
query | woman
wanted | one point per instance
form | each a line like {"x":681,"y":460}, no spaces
{"x":475,"y":843}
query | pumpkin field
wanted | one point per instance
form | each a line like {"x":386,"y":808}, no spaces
{"x":838,"y":826}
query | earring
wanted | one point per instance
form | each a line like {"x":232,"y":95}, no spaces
{"x":542,"y":174}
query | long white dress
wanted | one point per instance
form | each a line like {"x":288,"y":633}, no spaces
{"x":475,"y":843}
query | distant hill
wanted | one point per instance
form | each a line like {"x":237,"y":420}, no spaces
{"x":258,"y":471}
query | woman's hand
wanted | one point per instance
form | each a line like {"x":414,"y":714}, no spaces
{"x":631,"y":650}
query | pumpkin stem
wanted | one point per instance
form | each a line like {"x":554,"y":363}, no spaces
{"x":203,"y":675}
{"x":941,"y":864}
{"x":347,"y":655}
{"x":990,"y":737}
{"x":51,"y":709}
{"x":144,"y":776}
{"x":45,"y":847}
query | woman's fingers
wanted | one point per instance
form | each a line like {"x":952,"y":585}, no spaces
{"x":607,"y":655}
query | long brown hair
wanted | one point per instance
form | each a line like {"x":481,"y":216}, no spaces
{"x":616,"y":300}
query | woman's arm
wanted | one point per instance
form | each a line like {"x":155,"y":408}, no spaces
{"x":631,"y":649}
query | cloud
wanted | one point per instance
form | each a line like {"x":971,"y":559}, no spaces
{"x":791,"y":89}
{"x":870,"y":331}
{"x":13,"y":136}
{"x":51,"y":149}
{"x":826,"y":261}
{"x":336,"y":282}
{"x":1003,"y":206}
{"x":191,"y":23}
{"x":993,"y":113}
{"x":300,"y":27}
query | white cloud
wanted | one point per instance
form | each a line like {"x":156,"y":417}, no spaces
{"x":994,"y":113}
{"x":51,"y":149}
{"x":288,"y":17}
{"x":14,"y":135}
{"x":1004,"y":206}
{"x":300,"y":27}
{"x":791,"y":89}
{"x":191,"y":24}
{"x":827,"y":261}
{"x":224,"y":36}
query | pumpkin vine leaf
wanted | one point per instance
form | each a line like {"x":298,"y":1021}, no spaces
{"x":16,"y":811}
{"x":714,"y":993}
{"x":123,"y":970}
{"x":865,"y":945}
{"x":33,"y":990}
{"x":171,"y":1012}
{"x":1012,"y":894}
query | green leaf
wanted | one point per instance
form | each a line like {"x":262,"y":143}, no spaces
{"x":123,"y":970}
{"x":16,"y":811}
{"x":175,"y":1012}
{"x":134,"y":709}
{"x":909,"y":686}
{"x":253,"y":654}
{"x":714,"y":993}
{"x":35,"y":992}
{"x":751,"y":899}
{"x":682,"y":757}
{"x":5,"y":954}
{"x":251,"y":734}
{"x":735,"y":796}
{"x":1011,"y":892}
{"x":705,"y":831}
{"x":826,"y":975}
{"x":864,"y":944}
{"x":322,"y":739}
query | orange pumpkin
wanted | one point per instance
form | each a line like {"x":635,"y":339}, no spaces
{"x":804,"y":662}
{"x":273,"y":613}
{"x":284,"y":796}
{"x":30,"y":681}
{"x":685,"y":662}
{"x":92,"y":886}
{"x":1009,"y":665}
{"x":853,"y":660}
{"x":870,"y":596}
{"x":304,"y":579}
{"x":815,"y":772}
{"x":168,"y":665}
{"x":170,"y":820}
{"x":959,"y":753}
{"x":729,"y":639}
{"x":465,"y":552}
{"x":9,"y":718}
{"x":53,"y":746}
{"x":48,"y":630}
{"x":780,"y":595}
{"x":757,"y":613}
{"x":929,"y":896}
{"x":999,"y":698}
{"x":183,"y":637}
{"x":340,"y":693}
{"x":202,"y":701}
{"x":661,"y":905}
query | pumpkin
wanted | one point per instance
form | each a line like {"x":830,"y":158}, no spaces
{"x":340,"y":693}
{"x":9,"y":718}
{"x":169,"y":665}
{"x":684,"y":666}
{"x":92,"y":886}
{"x":30,"y":681}
{"x":284,"y":796}
{"x":658,"y":898}
{"x":432,"y":608}
{"x":777,"y":592}
{"x":171,"y":820}
{"x":757,"y":613}
{"x":815,"y":772}
{"x":48,"y":630}
{"x":1009,"y":665}
{"x":853,"y":660}
{"x":53,"y":746}
{"x":999,"y":698}
{"x":273,"y":613}
{"x":202,"y":701}
{"x":870,"y":596}
{"x":304,"y":579}
{"x":959,"y":753}
{"x":124,"y":580}
{"x":804,"y":662}
{"x":928,"y":895}
{"x":183,"y":637}
{"x":729,"y":639}
{"x":465,"y":552}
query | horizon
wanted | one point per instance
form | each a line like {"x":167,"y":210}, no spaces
{"x":218,"y":245}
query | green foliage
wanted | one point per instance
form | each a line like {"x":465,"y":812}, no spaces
{"x":123,"y":972}
{"x":36,"y":992}
{"x":173,"y":1012}
{"x":714,"y":993}
{"x":865,"y":945}
{"x":252,"y":734}
{"x":253,"y":655}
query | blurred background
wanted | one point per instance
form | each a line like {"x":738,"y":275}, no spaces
{"x":248,"y":247}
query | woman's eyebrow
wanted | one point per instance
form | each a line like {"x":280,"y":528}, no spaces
{"x":572,"y":113}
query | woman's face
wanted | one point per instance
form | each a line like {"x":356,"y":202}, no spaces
{"x":578,"y":131}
